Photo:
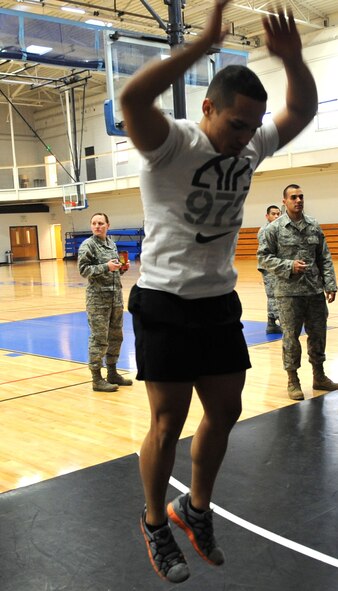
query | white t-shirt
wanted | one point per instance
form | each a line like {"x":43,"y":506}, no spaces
{"x":193,"y":206}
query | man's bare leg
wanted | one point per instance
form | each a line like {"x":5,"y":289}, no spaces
{"x":169,"y":405}
{"x":221,"y":400}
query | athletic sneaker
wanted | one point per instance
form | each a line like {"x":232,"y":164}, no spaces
{"x":165,"y":555}
{"x":198,"y":527}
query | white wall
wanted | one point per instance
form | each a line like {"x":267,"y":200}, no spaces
{"x":320,"y":195}
{"x":322,"y":59}
{"x":25,"y":144}
{"x":124,"y":210}
{"x":320,"y":183}
{"x":51,"y":124}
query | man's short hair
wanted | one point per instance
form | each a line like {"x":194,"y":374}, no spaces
{"x":291,"y":186}
{"x":234,"y":80}
{"x":272,"y":207}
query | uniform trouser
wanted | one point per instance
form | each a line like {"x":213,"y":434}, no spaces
{"x":269,"y":284}
{"x":105,"y":319}
{"x":294,"y":311}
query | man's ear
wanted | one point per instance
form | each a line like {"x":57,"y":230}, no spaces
{"x":207,"y":107}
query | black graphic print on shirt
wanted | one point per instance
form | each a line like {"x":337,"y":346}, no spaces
{"x":222,"y":185}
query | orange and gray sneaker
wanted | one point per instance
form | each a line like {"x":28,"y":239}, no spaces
{"x":165,"y":555}
{"x":198,"y":527}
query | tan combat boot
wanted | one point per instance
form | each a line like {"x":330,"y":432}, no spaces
{"x":321,"y":381}
{"x":100,"y":384}
{"x":115,"y":378}
{"x":294,"y":388}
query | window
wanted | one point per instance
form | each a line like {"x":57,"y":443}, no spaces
{"x":327,"y":115}
{"x":122,"y":152}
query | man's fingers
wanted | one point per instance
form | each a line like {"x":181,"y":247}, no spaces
{"x":278,"y":22}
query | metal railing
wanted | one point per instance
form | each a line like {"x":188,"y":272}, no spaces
{"x":107,"y":165}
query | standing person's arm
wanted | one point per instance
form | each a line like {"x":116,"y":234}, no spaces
{"x":326,"y":269}
{"x":283,"y":41}
{"x":269,"y":257}
{"x":89,"y":266}
{"x":260,"y":239}
{"x":146,"y":125}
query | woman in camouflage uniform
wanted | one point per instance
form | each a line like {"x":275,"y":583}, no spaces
{"x":98,"y":260}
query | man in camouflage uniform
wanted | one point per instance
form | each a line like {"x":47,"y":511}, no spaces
{"x":98,"y":260}
{"x":272,"y":213}
{"x":295,"y":250}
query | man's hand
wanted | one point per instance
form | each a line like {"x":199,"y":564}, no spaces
{"x":330,"y":296}
{"x":283,"y":41}
{"x":299,"y":267}
{"x":214,"y":32}
{"x":282,"y":37}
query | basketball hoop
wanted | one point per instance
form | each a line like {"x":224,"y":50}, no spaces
{"x":74,"y":197}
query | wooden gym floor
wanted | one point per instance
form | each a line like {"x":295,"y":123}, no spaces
{"x":52,"y":421}
{"x":73,"y":526}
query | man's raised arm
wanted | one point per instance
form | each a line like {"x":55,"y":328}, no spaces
{"x":283,"y":41}
{"x":146,"y":126}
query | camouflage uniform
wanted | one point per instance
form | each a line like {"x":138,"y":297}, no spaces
{"x":104,"y":300}
{"x":268,"y":280}
{"x":300,"y":296}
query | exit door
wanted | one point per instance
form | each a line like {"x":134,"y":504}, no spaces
{"x":24,"y":243}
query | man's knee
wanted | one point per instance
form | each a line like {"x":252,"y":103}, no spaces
{"x":166,"y":435}
{"x":233,"y":414}
{"x":227,"y":418}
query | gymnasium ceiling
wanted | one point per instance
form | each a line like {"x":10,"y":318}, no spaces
{"x":243,"y":17}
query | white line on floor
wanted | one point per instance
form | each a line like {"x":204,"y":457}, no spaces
{"x":260,"y":531}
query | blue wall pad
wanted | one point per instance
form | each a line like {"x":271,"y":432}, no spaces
{"x":66,"y":337}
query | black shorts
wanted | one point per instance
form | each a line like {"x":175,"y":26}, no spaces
{"x":178,"y":340}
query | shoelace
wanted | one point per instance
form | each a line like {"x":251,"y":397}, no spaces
{"x":166,"y":548}
{"x":203,"y":529}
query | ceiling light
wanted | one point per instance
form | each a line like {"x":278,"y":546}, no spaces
{"x":71,"y":9}
{"x":93,"y":21}
{"x":38,"y":49}
{"x":20,"y":6}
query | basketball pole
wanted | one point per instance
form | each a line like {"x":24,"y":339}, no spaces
{"x":175,"y":32}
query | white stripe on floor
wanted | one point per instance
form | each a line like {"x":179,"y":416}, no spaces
{"x":260,"y":531}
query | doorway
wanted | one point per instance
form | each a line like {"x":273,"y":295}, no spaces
{"x":56,"y":240}
{"x":24,"y":243}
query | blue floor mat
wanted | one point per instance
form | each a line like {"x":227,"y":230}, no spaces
{"x":62,"y":337}
{"x":66,"y":337}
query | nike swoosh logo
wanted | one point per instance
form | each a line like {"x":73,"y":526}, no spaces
{"x":203,"y":239}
